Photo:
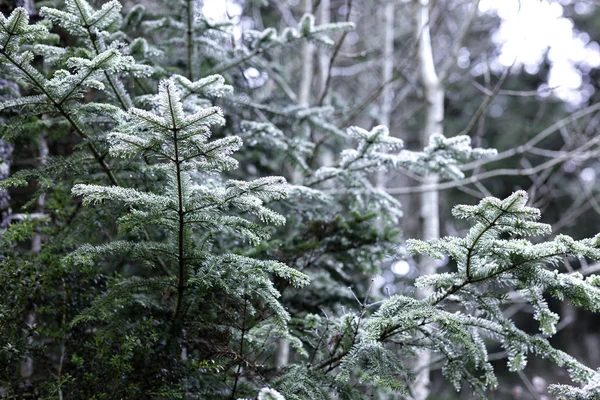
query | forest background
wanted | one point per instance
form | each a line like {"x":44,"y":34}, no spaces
{"x":540,"y":112}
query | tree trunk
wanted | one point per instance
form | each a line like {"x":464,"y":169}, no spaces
{"x":387,"y":69}
{"x":434,"y":110}
{"x":324,"y":18}
{"x":308,"y":50}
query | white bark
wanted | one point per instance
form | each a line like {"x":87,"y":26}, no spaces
{"x":326,"y":157}
{"x":308,"y":50}
{"x":387,"y":94}
{"x":434,"y":97}
{"x":282,"y":357}
{"x":29,"y":5}
{"x":387,"y":70}
{"x":324,"y":18}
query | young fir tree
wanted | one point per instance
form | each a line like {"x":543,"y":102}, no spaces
{"x":163,"y":262}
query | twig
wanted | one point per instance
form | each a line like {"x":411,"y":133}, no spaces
{"x":497,"y":172}
{"x":486,"y":102}
{"x":529,"y":385}
{"x":536,"y":139}
{"x":335,"y":53}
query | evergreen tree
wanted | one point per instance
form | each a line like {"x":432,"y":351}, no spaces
{"x":167,"y":244}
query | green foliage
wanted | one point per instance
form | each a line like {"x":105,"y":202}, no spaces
{"x":173,"y":258}
{"x":465,"y":311}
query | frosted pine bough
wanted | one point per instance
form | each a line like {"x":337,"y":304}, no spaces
{"x":466,"y":308}
{"x":201,"y":221}
{"x":179,"y":144}
{"x":487,"y":263}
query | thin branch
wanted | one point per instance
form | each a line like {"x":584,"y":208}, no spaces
{"x":498,"y":172}
{"x":398,"y":73}
{"x":486,"y":102}
{"x":335,"y":54}
{"x":529,"y":385}
{"x":536,"y":139}
{"x":515,"y":93}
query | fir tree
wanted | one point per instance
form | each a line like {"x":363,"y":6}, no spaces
{"x":175,"y":257}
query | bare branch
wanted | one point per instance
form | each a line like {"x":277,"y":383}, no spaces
{"x":336,"y":50}
{"x":535,"y":140}
{"x":500,"y":172}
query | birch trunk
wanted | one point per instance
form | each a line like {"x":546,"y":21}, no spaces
{"x":308,"y":50}
{"x":387,"y":70}
{"x":324,"y":18}
{"x":326,"y":156}
{"x":429,"y":214}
